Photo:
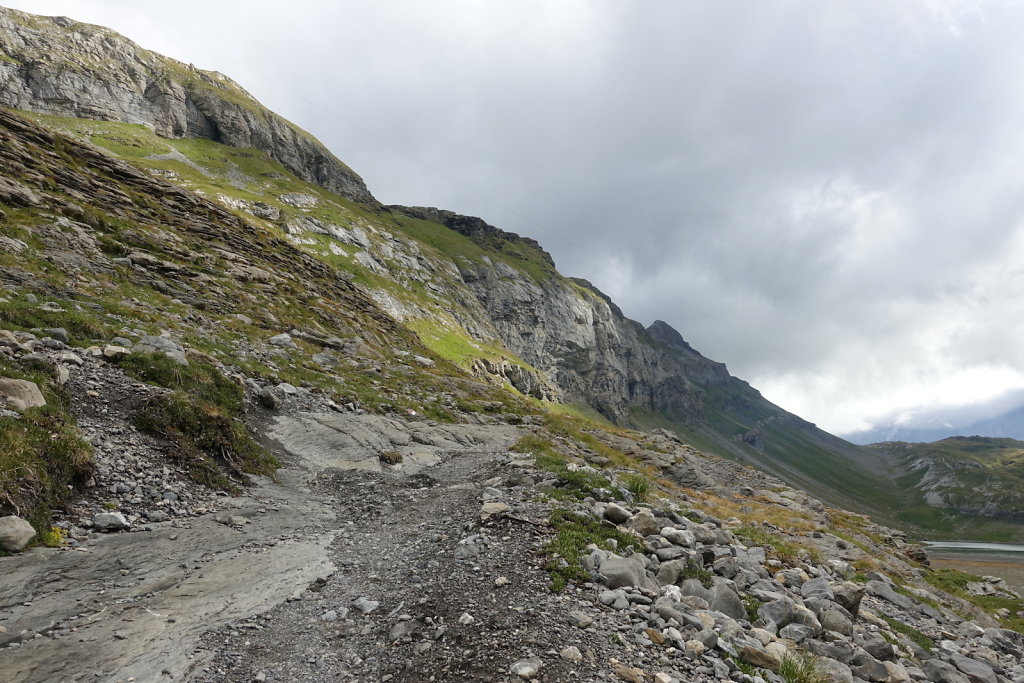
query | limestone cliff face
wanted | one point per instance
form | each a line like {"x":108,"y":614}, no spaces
{"x":54,"y":65}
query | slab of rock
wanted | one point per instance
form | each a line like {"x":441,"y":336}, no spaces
{"x":15,"y":533}
{"x":619,"y":572}
{"x":761,"y":658}
{"x":21,"y":394}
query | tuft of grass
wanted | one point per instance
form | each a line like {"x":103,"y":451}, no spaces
{"x":910,"y":632}
{"x":43,"y":456}
{"x":745,"y":667}
{"x":801,"y":667}
{"x":751,"y":605}
{"x":54,"y":537}
{"x":573,"y":484}
{"x":695,"y":571}
{"x":638,"y":485}
{"x":573,"y":533}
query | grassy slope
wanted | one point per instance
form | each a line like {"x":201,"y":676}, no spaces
{"x":806,"y":457}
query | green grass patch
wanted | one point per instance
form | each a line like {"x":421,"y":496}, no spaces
{"x":573,"y":533}
{"x":638,"y":485}
{"x":82,"y":328}
{"x":695,"y":571}
{"x":201,"y":416}
{"x":573,"y":484}
{"x":910,"y":632}
{"x":774,"y":543}
{"x":751,"y":605}
{"x":43,"y":456}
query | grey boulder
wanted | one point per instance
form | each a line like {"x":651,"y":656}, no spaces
{"x":15,"y":533}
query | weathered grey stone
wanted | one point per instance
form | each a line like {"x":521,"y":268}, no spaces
{"x":883,"y":590}
{"x":283,"y":340}
{"x":20,"y":394}
{"x":870,"y":669}
{"x":724,"y":599}
{"x":816,"y":588}
{"x":796,"y":632}
{"x":833,"y":671}
{"x":760,"y":657}
{"x":849,"y":594}
{"x":15,"y":533}
{"x":938,"y":671}
{"x":619,"y":572}
{"x":110,"y":521}
{"x":644,"y":524}
{"x":616,"y":514}
{"x":778,"y":611}
{"x":976,"y":672}
{"x":526,"y":668}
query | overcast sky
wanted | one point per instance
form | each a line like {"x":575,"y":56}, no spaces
{"x":826,"y":196}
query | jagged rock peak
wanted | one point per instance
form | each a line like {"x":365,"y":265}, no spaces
{"x":666,"y":334}
{"x":475,"y":228}
{"x":54,"y":65}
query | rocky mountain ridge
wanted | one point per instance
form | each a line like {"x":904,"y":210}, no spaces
{"x":59,"y":66}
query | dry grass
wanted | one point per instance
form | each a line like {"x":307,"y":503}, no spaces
{"x":754,"y":511}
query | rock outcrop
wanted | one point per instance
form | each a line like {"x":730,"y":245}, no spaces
{"x":54,"y":65}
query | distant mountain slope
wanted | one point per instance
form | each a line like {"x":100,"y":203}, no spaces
{"x":971,"y":475}
{"x":486,"y":304}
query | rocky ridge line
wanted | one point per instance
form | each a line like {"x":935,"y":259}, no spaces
{"x":54,"y":65}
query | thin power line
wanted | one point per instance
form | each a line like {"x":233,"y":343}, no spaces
{"x":492,"y":200}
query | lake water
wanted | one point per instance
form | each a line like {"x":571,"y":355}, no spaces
{"x":996,"y":559}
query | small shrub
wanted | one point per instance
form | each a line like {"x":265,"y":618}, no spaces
{"x":42,"y":459}
{"x":801,"y":668}
{"x":751,"y":605}
{"x":638,"y":485}
{"x":695,"y":571}
{"x":54,"y":537}
{"x":390,"y":457}
{"x":202,"y":381}
{"x":81,"y":327}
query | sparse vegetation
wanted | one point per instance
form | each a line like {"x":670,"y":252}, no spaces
{"x":390,"y":457}
{"x":43,"y":457}
{"x":910,"y":632}
{"x":573,"y":533}
{"x":954,"y":582}
{"x":801,"y":667}
{"x":213,"y":445}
